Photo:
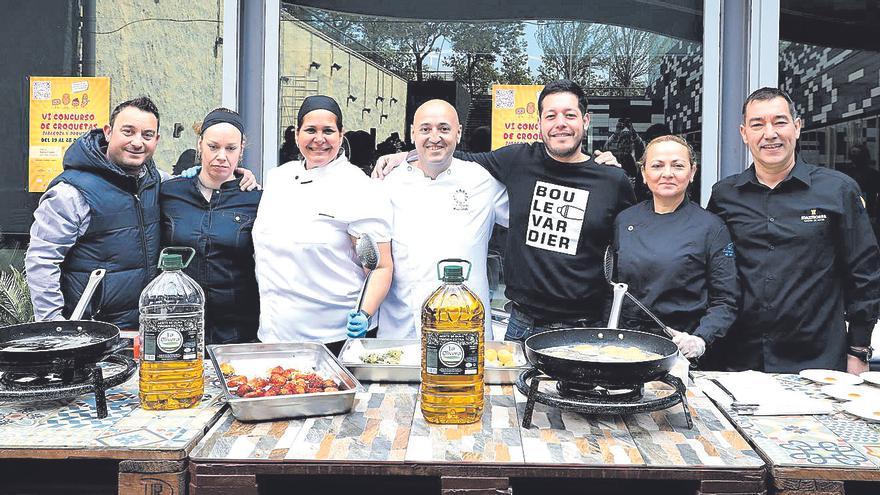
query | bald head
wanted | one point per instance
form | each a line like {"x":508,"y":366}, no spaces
{"x":435,"y":132}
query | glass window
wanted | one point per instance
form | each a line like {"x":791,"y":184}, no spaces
{"x":831,"y":69}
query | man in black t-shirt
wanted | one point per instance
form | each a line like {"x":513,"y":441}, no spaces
{"x":562,"y":207}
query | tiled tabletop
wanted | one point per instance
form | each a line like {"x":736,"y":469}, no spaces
{"x":836,"y":441}
{"x":386,"y":425}
{"x":37,"y":429}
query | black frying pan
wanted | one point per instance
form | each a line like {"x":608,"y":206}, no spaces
{"x":604,"y":374}
{"x":64,"y":342}
{"x":601,"y":373}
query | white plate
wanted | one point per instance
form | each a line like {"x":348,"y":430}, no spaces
{"x":831,"y":377}
{"x":851,"y":392}
{"x":871,"y":377}
{"x":867,"y":409}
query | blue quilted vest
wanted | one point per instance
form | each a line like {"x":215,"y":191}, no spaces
{"x":122,"y":237}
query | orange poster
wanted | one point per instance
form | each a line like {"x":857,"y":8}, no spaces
{"x":61,"y":110}
{"x":515,"y":114}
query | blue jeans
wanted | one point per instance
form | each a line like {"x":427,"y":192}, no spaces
{"x":521,"y":326}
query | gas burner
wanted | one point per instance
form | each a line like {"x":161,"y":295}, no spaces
{"x":589,"y":391}
{"x":589,"y":399}
{"x":22,"y":384}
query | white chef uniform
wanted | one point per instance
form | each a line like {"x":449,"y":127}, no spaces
{"x":449,"y":217}
{"x":307,"y":269}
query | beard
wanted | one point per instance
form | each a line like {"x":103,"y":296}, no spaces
{"x":564,"y":151}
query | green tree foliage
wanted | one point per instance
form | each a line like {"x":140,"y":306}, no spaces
{"x":476,"y":48}
{"x":571,"y":50}
{"x":631,"y":54}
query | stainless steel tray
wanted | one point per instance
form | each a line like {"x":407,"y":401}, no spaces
{"x":255,"y":359}
{"x":411,"y":373}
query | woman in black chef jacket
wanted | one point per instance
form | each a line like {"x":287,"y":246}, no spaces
{"x":211,"y":214}
{"x":676,"y":257}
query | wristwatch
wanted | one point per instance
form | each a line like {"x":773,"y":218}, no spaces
{"x":863,"y":353}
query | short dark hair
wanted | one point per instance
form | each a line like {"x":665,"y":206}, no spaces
{"x":563,"y":86}
{"x":142,"y":103}
{"x":765,"y":94}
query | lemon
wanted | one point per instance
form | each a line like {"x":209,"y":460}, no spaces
{"x":491,"y":355}
{"x":505,"y":357}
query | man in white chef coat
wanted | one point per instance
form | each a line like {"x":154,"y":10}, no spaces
{"x":443,"y":208}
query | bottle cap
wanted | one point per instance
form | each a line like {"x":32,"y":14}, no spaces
{"x":170,"y":262}
{"x":453,"y":273}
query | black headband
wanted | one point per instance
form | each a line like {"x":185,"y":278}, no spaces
{"x":319,"y":102}
{"x":221,"y":117}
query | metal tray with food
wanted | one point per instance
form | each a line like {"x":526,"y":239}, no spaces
{"x":394,"y":360}
{"x":283,"y":380}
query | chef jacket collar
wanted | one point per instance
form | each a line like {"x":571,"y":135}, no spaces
{"x":684,"y":202}
{"x":798,"y":172}
{"x":317,"y":171}
{"x":415,"y":173}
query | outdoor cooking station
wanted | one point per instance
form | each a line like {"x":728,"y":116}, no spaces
{"x":385,"y":438}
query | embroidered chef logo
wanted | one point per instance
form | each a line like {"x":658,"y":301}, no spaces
{"x":728,"y":250}
{"x":556,"y":217}
{"x":813,"y":216}
{"x":460,"y":200}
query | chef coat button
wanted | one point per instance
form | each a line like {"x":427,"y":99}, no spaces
{"x":295,"y":177}
{"x":409,"y":168}
{"x":630,"y":228}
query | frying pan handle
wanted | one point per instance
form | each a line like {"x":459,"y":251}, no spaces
{"x":87,"y":294}
{"x":619,"y":292}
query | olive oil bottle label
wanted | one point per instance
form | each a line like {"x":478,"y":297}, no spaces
{"x":171,"y":339}
{"x":451,"y":353}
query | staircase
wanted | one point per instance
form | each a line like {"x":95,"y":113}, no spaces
{"x":479,"y":114}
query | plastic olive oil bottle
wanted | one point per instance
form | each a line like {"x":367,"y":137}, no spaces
{"x":172,"y":332}
{"x":452,"y":351}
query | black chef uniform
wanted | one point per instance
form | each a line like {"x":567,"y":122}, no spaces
{"x":681,"y":266}
{"x":808,"y":261}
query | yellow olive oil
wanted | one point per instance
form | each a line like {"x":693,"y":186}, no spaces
{"x":172,"y":334}
{"x":453,"y":320}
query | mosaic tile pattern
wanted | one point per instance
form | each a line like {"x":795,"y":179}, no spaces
{"x":495,"y":438}
{"x":377,"y":429}
{"x":386,"y":425}
{"x":73,"y":424}
{"x":839,"y":440}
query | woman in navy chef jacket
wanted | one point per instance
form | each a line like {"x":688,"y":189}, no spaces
{"x":676,"y":257}
{"x":211,"y":214}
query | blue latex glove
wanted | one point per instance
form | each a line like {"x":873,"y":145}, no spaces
{"x":358,"y":324}
{"x":191,"y":172}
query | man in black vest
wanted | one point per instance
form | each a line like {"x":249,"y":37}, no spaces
{"x":101,"y":212}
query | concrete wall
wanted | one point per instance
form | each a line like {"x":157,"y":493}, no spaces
{"x":301,"y":45}
{"x":174,"y":63}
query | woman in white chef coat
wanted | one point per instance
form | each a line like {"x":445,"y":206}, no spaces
{"x":312,"y":212}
